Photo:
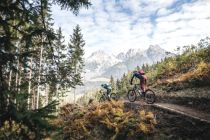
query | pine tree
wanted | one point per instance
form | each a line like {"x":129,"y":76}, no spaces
{"x":124,"y":82}
{"x":119,"y":86}
{"x":76,"y":53}
{"x":75,"y":57}
{"x":138,"y":68}
{"x":112,"y":82}
{"x":55,"y":62}
{"x":146,"y":68}
{"x":143,"y":67}
{"x":25,"y":31}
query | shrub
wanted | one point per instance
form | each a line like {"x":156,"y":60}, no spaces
{"x":107,"y":120}
{"x":201,"y":75}
{"x":12,"y":130}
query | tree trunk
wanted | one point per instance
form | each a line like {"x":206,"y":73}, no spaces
{"x":74,"y":95}
{"x":10,"y":79}
{"x":29,"y":83}
{"x":47,"y":95}
{"x":19,"y":83}
{"x":9,"y":85}
{"x":33,"y":104}
{"x":39,"y":78}
{"x":17,"y":75}
{"x":2,"y":88}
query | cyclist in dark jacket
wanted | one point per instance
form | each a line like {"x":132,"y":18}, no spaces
{"x":107,"y":87}
{"x":142,"y":77}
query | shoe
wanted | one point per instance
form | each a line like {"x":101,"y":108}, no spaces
{"x":143,"y":94}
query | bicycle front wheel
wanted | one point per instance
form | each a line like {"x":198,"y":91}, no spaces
{"x":131,"y":95}
{"x":114,"y":96}
{"x":102,"y":99}
{"x":149,"y":96}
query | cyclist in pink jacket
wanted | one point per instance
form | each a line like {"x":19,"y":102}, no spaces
{"x":143,"y":79}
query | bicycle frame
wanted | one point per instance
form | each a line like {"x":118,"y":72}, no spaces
{"x":137,"y":89}
{"x":105,"y":95}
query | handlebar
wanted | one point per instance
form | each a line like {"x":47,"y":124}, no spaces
{"x":101,"y":91}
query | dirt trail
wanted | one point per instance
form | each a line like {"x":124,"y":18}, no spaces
{"x":186,"y":111}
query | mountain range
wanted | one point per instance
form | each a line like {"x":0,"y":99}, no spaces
{"x":99,"y":66}
{"x":102,"y":65}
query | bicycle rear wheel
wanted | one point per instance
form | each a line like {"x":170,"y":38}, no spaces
{"x":114,"y":96}
{"x":131,"y":95}
{"x":149,"y":96}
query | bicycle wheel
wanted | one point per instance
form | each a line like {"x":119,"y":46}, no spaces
{"x":149,"y":96}
{"x":131,"y":95}
{"x":114,"y":96}
{"x":102,"y":99}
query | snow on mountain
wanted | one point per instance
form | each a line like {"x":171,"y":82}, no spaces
{"x":133,"y":52}
{"x":121,"y":56}
{"x":155,"y":53}
{"x":130,"y":53}
{"x":100,"y":60}
{"x":101,"y":56}
{"x":99,"y":65}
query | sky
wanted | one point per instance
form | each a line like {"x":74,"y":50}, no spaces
{"x":115,"y":26}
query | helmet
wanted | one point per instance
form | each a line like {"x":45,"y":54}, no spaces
{"x":103,"y":85}
{"x":142,"y":72}
{"x":135,"y":71}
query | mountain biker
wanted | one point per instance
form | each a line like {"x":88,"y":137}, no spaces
{"x":107,"y":87}
{"x":143,"y":79}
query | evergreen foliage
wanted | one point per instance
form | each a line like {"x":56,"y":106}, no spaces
{"x":113,"y":84}
{"x":76,"y":53}
{"x":190,"y":66}
{"x":31,"y":64}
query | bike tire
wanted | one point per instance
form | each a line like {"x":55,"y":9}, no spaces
{"x":114,"y":96}
{"x":102,"y":99}
{"x":150,"y":96}
{"x":131,"y":95}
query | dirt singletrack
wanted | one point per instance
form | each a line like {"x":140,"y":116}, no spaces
{"x":182,"y":110}
{"x":186,"y":111}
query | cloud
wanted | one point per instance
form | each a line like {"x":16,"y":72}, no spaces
{"x":184,"y":27}
{"x":117,"y":25}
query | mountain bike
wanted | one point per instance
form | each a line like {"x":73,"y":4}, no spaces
{"x":149,"y":95}
{"x":108,"y":97}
